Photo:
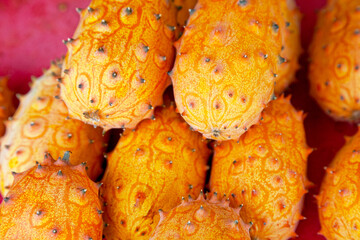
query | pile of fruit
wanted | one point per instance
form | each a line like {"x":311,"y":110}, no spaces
{"x":210,"y":145}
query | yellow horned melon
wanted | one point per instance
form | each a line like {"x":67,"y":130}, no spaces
{"x":53,"y":200}
{"x":118,"y":60}
{"x":41,"y":125}
{"x":227,"y":65}
{"x":334,"y":70}
{"x":152,"y":167}
{"x":265,"y":171}
{"x":291,"y":45}
{"x":338,"y":201}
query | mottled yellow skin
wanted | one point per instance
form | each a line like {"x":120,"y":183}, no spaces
{"x":115,"y":71}
{"x":7,"y":107}
{"x":202,"y":219}
{"x":152,"y":167}
{"x":227,"y":65}
{"x":52,"y":201}
{"x":266,"y":172}
{"x":291,"y":45}
{"x":339,"y":198}
{"x":41,"y":125}
{"x":335,"y":60}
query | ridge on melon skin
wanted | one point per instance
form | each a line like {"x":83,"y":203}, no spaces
{"x":41,"y":125}
{"x":117,"y":62}
{"x":54,"y":197}
{"x":202,"y":218}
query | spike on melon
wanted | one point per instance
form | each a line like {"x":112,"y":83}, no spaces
{"x":184,"y":9}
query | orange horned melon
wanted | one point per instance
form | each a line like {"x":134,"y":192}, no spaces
{"x":291,"y":48}
{"x":202,"y":219}
{"x":53,"y":200}
{"x":117,"y":64}
{"x":266,"y":172}
{"x":41,"y":125}
{"x":7,"y":107}
{"x":335,"y":62}
{"x":339,"y":198}
{"x":151,"y":167}
{"x":227,"y":63}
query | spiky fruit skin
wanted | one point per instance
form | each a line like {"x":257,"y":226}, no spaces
{"x":227,"y":65}
{"x":52,"y":201}
{"x":184,"y":8}
{"x":291,"y":46}
{"x":202,"y":219}
{"x":334,"y":68}
{"x":115,"y":71}
{"x":339,"y":207}
{"x":7,"y":107}
{"x":152,"y":167}
{"x":41,"y":125}
{"x":266,"y":172}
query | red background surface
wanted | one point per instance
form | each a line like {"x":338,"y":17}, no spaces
{"x":31,"y":32}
